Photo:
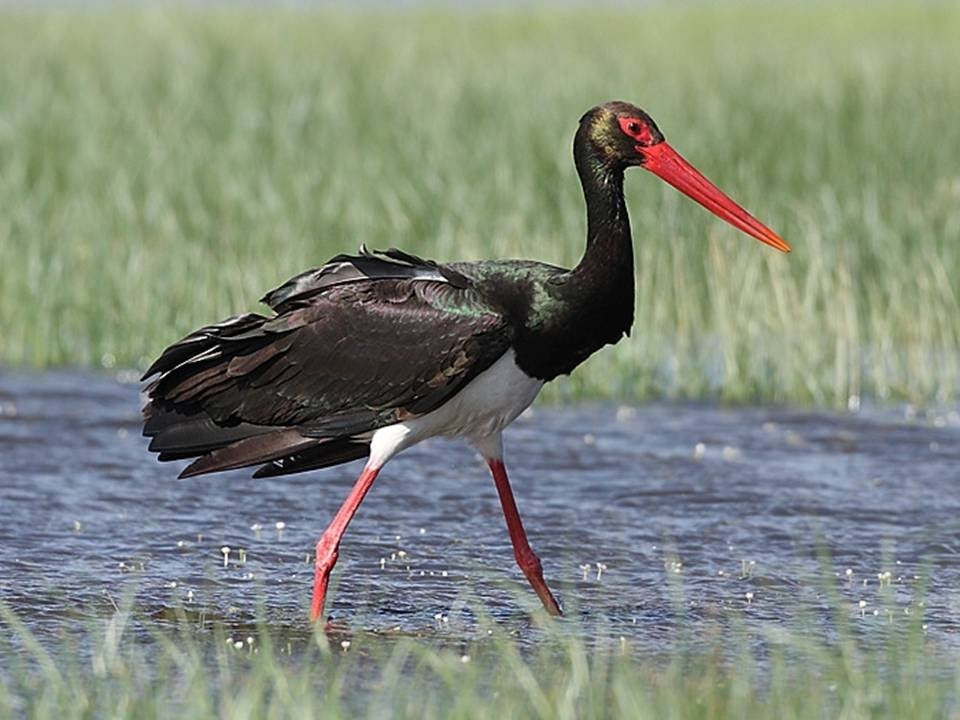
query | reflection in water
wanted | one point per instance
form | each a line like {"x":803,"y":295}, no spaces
{"x":645,"y":519}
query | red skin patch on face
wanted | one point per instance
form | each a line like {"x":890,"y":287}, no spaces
{"x":636,"y":129}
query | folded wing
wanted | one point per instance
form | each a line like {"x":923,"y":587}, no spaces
{"x":359,"y":344}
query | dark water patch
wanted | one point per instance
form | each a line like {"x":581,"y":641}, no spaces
{"x":648,"y":520}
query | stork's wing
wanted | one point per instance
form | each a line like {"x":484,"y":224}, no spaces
{"x":359,"y":344}
{"x":368,"y":265}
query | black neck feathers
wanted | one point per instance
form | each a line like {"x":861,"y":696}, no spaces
{"x":591,"y":305}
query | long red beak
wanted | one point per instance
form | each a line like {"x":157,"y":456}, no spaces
{"x":667,"y":164}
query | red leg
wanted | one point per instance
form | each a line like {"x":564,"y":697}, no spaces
{"x":526,"y":558}
{"x":328,"y":546}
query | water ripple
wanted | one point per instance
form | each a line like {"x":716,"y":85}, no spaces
{"x":646,"y":518}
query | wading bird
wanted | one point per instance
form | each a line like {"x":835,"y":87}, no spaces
{"x":374,"y":352}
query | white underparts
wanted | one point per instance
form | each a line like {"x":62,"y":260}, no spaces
{"x":478,"y":413}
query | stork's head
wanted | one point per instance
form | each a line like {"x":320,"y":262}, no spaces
{"x":620,"y":135}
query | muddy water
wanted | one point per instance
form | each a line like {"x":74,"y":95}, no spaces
{"x":645,"y":518}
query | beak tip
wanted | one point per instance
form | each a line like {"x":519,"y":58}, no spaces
{"x":777,"y":242}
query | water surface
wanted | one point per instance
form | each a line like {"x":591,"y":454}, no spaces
{"x":646,"y":519}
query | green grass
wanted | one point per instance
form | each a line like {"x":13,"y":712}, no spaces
{"x":162,"y":169}
{"x":128,"y":667}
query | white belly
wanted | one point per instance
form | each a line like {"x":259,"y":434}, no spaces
{"x":478,"y":413}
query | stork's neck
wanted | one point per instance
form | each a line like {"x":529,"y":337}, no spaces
{"x":567,"y":318}
{"x":607,"y":262}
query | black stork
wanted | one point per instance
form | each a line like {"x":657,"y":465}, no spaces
{"x":374,"y":352}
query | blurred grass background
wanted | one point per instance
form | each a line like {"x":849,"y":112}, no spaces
{"x":161,"y":169}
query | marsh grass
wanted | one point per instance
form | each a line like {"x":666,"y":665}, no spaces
{"x":133,"y":666}
{"x":160,"y":169}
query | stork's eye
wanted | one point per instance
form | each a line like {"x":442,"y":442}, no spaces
{"x":637,"y":129}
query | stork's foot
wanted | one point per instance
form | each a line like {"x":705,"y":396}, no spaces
{"x":326,"y":559}
{"x":533,"y":570}
{"x":336,"y":626}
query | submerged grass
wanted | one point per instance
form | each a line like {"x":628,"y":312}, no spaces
{"x":160,"y":169}
{"x":131,"y":667}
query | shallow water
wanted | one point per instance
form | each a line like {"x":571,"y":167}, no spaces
{"x":686,"y":509}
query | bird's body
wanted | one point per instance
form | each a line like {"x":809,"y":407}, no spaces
{"x":372,"y":353}
{"x":369,"y":342}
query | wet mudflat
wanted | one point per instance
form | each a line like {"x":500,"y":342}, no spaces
{"x":648,"y":520}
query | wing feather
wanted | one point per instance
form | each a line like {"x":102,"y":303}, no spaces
{"x":367,"y":265}
{"x":358,"y":344}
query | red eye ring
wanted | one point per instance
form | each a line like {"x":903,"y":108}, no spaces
{"x":636,"y":129}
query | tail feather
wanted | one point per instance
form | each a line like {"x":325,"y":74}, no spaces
{"x":280,"y":451}
{"x":254,"y":450}
{"x":194,"y":435}
{"x":326,"y":454}
{"x":192,"y":412}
